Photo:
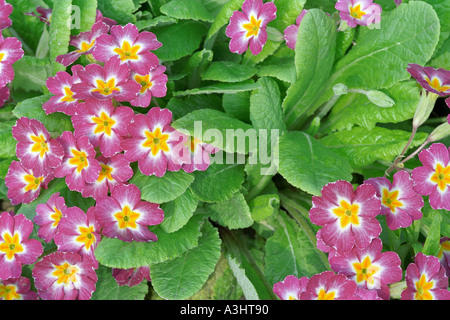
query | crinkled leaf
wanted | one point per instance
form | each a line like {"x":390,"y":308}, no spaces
{"x":178,"y":212}
{"x":59,"y":33}
{"x":228,"y":71}
{"x":189,"y":10}
{"x":233,"y":213}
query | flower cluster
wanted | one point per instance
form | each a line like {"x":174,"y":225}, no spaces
{"x":94,"y":160}
{"x":10,"y":51}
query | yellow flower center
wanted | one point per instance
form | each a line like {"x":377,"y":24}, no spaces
{"x":86,"y":236}
{"x":68,"y":95}
{"x":365,"y":270}
{"x":324,"y":295}
{"x":127,"y":52}
{"x":104,"y":123}
{"x":105,"y":173}
{"x":127,"y":218}
{"x":65,"y":273}
{"x":144,"y":81}
{"x":356,"y":11}
{"x":2,"y":56}
{"x":86,"y":46}
{"x":79,"y":159}
{"x":423,"y":289}
{"x":9,"y":292}
{"x":389,"y":199}
{"x":56,"y":216}
{"x":435,"y":83}
{"x":348,"y":213}
{"x":106,"y":88}
{"x":156,"y":141}
{"x":252,"y":27}
{"x":32,"y":182}
{"x":11,"y":245}
{"x":39,"y":145}
{"x":441,"y":176}
{"x":192,"y":143}
{"x":291,"y":297}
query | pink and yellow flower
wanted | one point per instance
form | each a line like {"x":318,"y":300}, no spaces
{"x":153,"y":84}
{"x":426,"y":279}
{"x":43,"y":14}
{"x":290,"y":288}
{"x":125,"y":216}
{"x":348,"y":217}
{"x":291,"y":32}
{"x":199,"y":155}
{"x":359,"y":12}
{"x":444,"y":254}
{"x":154,"y":144}
{"x":399,"y":202}
{"x":329,"y":286}
{"x":24,"y":185}
{"x":84,"y":43}
{"x":104,"y":125}
{"x":130,"y":47}
{"x":248,"y":28}
{"x":79,"y":165}
{"x":10,"y":51}
{"x":65,"y":276}
{"x":48,"y":216}
{"x":4,"y":95}
{"x":60,"y":86}
{"x":105,"y":83}
{"x":369,"y":267}
{"x":433,"y":178}
{"x":35,"y":149}
{"x":16,"y":249}
{"x":17,"y":289}
{"x":115,"y":171}
{"x":5,"y":10}
{"x":79,"y":232}
{"x":431,"y":79}
{"x":131,"y":277}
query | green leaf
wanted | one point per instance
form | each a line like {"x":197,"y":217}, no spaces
{"x":408,"y":34}
{"x":287,"y":13}
{"x":263,"y":206}
{"x":206,"y":186}
{"x":433,"y":220}
{"x":107,"y":288}
{"x":228,"y":71}
{"x":233,"y":213}
{"x":290,"y":252}
{"x":190,"y":10}
{"x":308,"y":164}
{"x":314,"y":58}
{"x":280,"y":65}
{"x":179,"y":40}
{"x":88,"y":13}
{"x":178,"y":212}
{"x":237,"y":105}
{"x":118,"y":10}
{"x":162,"y":189}
{"x":247,"y":286}
{"x":224,"y":16}
{"x":59,"y":33}
{"x":182,"y":277}
{"x":116,"y":253}
{"x":219,"y":87}
{"x":355,"y":109}
{"x":56,"y":123}
{"x":216,"y":128}
{"x":363,"y":147}
{"x":31,"y":74}
{"x":7,"y":142}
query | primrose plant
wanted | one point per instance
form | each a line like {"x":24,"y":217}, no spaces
{"x":224,"y":150}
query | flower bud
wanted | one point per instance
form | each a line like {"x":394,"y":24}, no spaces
{"x":380,"y":99}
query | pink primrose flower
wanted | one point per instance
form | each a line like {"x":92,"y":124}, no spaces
{"x":399,"y":202}
{"x":348,"y":217}
{"x":247,"y":29}
{"x":104,"y":125}
{"x":35,"y":149}
{"x":129,"y":46}
{"x":290,"y":288}
{"x":359,"y":12}
{"x":43,"y":14}
{"x":329,"y":286}
{"x":431,"y":79}
{"x":115,"y":171}
{"x":154,"y":144}
{"x":433,"y":178}
{"x":48,"y":216}
{"x":199,"y":155}
{"x":125,"y":216}
{"x":10,"y":51}
{"x":17,"y":289}
{"x":79,"y":232}
{"x":291,"y":32}
{"x":131,"y":277}
{"x":444,"y":254}
{"x":107,"y":82}
{"x":4,"y":95}
{"x":5,"y":10}
{"x":79,"y":165}
{"x":65,"y":276}
{"x":16,"y":249}
{"x":153,"y":84}
{"x":426,"y":279}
